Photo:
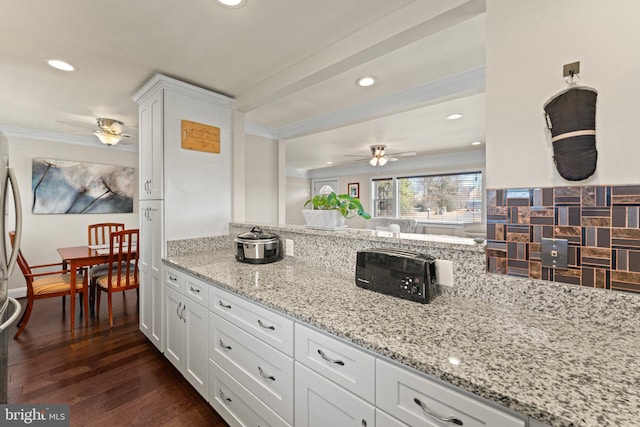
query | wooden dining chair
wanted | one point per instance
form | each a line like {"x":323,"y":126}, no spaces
{"x":47,"y":285}
{"x":122,"y":268}
{"x":99,"y":234}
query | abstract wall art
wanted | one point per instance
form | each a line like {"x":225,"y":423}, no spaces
{"x":69,"y":187}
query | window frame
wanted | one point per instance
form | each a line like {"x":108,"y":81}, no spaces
{"x":403,"y":175}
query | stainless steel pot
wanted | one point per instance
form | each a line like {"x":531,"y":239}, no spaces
{"x":257,"y":247}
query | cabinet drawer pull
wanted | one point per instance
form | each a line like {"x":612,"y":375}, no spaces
{"x":194,"y":289}
{"x":266,"y":326}
{"x":184,"y":319}
{"x":178,"y":310}
{"x":223,"y":305}
{"x":223,"y":345}
{"x":267,"y":376}
{"x":173,"y":278}
{"x":328,"y":359}
{"x":223,"y":397}
{"x":424,"y":407}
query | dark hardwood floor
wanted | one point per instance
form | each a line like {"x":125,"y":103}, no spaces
{"x":109,"y":377}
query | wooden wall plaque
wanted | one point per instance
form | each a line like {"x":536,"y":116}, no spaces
{"x":200,"y":137}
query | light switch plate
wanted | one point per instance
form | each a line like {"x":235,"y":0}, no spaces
{"x":288,"y":247}
{"x":554,"y":253}
{"x":444,"y":272}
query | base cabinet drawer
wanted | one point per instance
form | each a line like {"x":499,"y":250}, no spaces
{"x":261,"y":369}
{"x":270,"y":327}
{"x":420,"y":401}
{"x":321,"y":403}
{"x":236,"y":404}
{"x":342,"y":363}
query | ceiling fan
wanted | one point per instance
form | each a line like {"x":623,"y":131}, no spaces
{"x":379,"y":156}
{"x":109,"y":132}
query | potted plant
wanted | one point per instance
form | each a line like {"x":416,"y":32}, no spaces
{"x":331,"y":209}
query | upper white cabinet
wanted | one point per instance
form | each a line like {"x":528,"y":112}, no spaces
{"x":150,"y":122}
{"x":195,"y":185}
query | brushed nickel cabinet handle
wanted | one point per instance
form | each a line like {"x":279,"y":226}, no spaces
{"x":328,"y":359}
{"x":178,"y":310}
{"x":265,"y":325}
{"x":364,"y":423}
{"x":267,"y":376}
{"x":184,"y":319}
{"x":223,"y":345}
{"x":223,"y":305}
{"x":194,"y":289}
{"x":424,"y":407}
{"x":223,"y":397}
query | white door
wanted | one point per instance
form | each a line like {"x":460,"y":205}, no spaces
{"x":150,"y":118}
{"x":321,"y":403}
{"x":175,"y":327}
{"x":196,"y":359}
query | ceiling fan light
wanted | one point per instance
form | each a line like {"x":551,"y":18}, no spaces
{"x":108,"y":139}
{"x":373,"y":161}
{"x":382,"y":161}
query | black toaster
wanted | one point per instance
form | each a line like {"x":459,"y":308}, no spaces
{"x":403,"y":274}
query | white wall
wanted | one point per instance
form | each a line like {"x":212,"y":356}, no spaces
{"x":261,"y":179}
{"x":527,"y":45}
{"x":42,"y":234}
{"x":297,"y":193}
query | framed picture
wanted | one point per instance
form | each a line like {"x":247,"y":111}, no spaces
{"x":353,"y":189}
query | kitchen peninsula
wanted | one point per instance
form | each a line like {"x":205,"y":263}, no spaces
{"x":558,"y":371}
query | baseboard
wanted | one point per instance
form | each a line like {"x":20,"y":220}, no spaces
{"x":18,"y":292}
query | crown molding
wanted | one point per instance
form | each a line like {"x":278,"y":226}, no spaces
{"x":160,"y":81}
{"x":259,"y":130}
{"x":89,"y":141}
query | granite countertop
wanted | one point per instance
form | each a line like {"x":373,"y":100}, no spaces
{"x":558,"y":372}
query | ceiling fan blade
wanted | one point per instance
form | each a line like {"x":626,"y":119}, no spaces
{"x":391,"y":159}
{"x":352,"y":155}
{"x":403,"y":154}
{"x":78,"y":125}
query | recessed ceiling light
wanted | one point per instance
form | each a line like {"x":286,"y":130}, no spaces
{"x":476,"y":143}
{"x":329,"y":163}
{"x":232,"y":3}
{"x":60,"y":64}
{"x":365,"y":81}
{"x":454,"y":116}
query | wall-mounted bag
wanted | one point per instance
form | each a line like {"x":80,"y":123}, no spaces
{"x":571,"y":117}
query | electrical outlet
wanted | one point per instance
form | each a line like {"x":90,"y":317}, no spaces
{"x":288,"y":247}
{"x":444,"y":272}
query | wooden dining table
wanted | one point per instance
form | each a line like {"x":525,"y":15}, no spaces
{"x":76,"y":257}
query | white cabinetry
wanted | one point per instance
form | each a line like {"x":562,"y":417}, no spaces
{"x":177,"y":200}
{"x":252,"y":345}
{"x":342,"y":363}
{"x":421,"y":401}
{"x":150,"y":147}
{"x":320,"y":402}
{"x":186,"y":332}
{"x":150,"y":271}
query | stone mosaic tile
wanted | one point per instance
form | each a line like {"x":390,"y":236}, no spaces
{"x":600,"y":223}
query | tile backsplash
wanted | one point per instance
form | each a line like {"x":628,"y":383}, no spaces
{"x":600,"y":223}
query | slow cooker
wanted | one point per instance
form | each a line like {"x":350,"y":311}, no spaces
{"x":257,"y":247}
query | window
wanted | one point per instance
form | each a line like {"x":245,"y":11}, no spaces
{"x":450,"y":198}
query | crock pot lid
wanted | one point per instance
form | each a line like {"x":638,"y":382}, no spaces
{"x":256,"y":233}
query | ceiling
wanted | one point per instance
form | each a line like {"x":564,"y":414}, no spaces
{"x":291,"y":66}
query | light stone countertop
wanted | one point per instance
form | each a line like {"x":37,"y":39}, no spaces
{"x":558,"y":372}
